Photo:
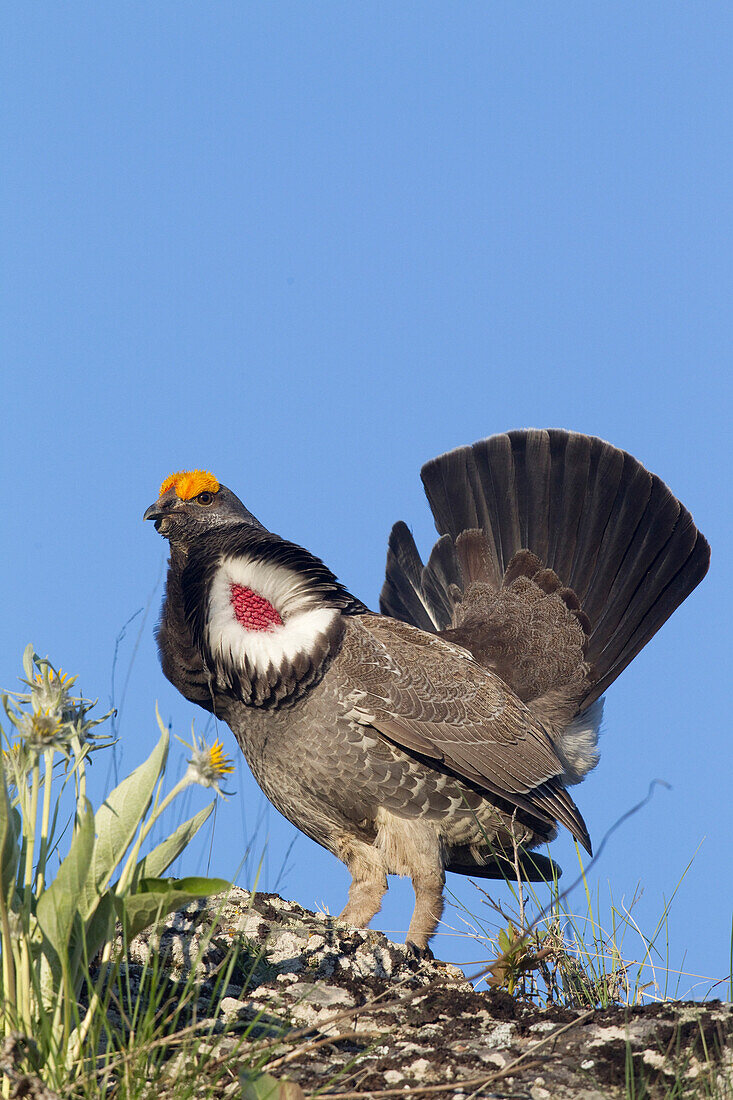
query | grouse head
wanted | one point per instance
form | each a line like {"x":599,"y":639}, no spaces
{"x":192,"y":503}
{"x":263,"y":614}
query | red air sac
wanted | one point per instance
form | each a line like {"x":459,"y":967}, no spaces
{"x":253,"y":612}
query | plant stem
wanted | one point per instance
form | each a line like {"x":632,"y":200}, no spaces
{"x":46,"y":814}
{"x":123,"y":882}
{"x":8,"y":964}
{"x":30,"y":813}
{"x":29,"y":827}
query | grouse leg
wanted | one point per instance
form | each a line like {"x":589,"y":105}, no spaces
{"x":428,"y":886}
{"x":368,"y":885}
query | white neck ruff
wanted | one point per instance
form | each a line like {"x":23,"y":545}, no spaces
{"x":304,"y":621}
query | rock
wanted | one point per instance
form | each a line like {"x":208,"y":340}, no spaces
{"x":346,"y":1010}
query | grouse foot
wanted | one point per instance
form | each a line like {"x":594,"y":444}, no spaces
{"x":421,"y":953}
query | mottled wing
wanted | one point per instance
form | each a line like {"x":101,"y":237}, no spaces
{"x":432,"y":698}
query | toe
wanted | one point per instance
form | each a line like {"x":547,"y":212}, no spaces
{"x":419,"y":952}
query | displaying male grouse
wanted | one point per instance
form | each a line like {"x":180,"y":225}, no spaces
{"x":443,"y":732}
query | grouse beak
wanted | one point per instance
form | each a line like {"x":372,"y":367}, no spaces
{"x":157,"y":513}
{"x":161,"y":510}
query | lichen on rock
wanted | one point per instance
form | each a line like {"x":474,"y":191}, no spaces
{"x":410,"y":1023}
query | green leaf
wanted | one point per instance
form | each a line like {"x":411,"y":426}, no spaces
{"x":100,"y":927}
{"x":197,"y":886}
{"x":262,"y":1086}
{"x":117,"y":821}
{"x":28,"y":662}
{"x":159,"y":860}
{"x":10,"y":829}
{"x":85,"y":940}
{"x":59,"y":903}
{"x":157,"y":897}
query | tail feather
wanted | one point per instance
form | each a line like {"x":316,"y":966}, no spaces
{"x":533,"y":463}
{"x":402,"y":596}
{"x":532,"y":866}
{"x":494,"y":486}
{"x":610,"y":530}
{"x":440,"y":576}
{"x":641,"y":538}
{"x":658,"y":603}
{"x":568,"y":486}
{"x":605,"y":475}
{"x":473,"y":559}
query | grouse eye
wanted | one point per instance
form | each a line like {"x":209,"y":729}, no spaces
{"x":205,"y":498}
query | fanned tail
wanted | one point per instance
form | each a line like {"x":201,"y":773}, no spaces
{"x":610,"y":531}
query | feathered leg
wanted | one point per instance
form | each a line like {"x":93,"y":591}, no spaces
{"x":411,"y":846}
{"x":368,"y":882}
{"x":428,"y":886}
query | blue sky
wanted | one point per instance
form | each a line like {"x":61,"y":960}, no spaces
{"x":308,"y":247}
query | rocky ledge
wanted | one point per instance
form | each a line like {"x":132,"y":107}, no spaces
{"x":348,"y":1013}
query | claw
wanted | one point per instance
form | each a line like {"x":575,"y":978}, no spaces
{"x":421,"y":953}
